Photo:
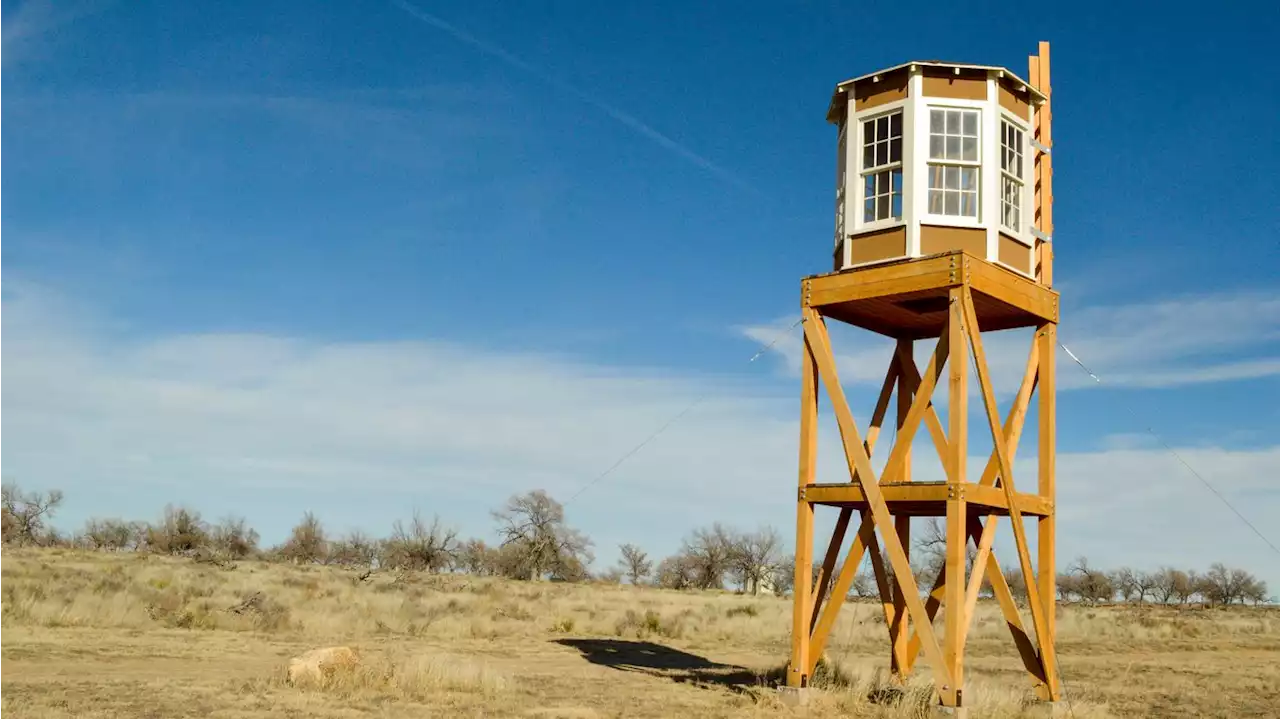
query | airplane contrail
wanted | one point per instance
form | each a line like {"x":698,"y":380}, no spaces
{"x":625,"y":118}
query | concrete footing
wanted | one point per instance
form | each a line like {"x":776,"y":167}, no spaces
{"x":795,"y":696}
{"x":1047,"y":710}
{"x":943,"y":712}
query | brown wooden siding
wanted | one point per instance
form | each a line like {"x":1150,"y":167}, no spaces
{"x":1013,"y":100}
{"x":891,"y":88}
{"x":958,"y":88}
{"x":936,"y":238}
{"x":878,"y":245}
{"x":1014,"y":253}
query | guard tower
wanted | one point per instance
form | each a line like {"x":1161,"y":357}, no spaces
{"x":944,"y":213}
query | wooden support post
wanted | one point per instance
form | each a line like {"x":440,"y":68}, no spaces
{"x":856,"y":455}
{"x":1047,"y":338}
{"x":898,"y":637}
{"x":1038,"y":70}
{"x":957,"y":538}
{"x":1006,"y":473}
{"x":797,"y":674}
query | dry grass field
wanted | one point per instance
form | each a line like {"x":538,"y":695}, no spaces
{"x":98,"y":635}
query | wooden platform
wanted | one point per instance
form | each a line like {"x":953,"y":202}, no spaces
{"x":927,"y":499}
{"x":908,"y":299}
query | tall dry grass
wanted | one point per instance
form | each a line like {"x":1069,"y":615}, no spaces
{"x":53,"y":588}
{"x":318,"y":605}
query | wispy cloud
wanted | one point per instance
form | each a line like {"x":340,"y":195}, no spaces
{"x":34,"y":21}
{"x":269,"y":426}
{"x":625,"y":118}
{"x":1199,"y":339}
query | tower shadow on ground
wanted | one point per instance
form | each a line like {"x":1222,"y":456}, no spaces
{"x":665,"y":662}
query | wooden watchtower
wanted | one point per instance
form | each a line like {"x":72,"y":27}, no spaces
{"x":944,"y":213}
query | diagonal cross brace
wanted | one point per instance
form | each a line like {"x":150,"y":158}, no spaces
{"x":1006,"y":473}
{"x":860,"y":464}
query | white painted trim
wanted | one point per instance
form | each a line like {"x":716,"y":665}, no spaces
{"x":982,"y":108}
{"x":842,"y":152}
{"x":919,"y":155}
{"x":850,"y":172}
{"x":955,"y":103}
{"x":854,"y":186}
{"x":1028,"y":177}
{"x":949,"y":221}
{"x":989,"y":182}
{"x":877,"y":226}
{"x":912,"y":173}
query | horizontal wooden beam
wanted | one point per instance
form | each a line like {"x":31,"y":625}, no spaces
{"x":909,"y":298}
{"x":1012,"y":289}
{"x":882,"y":281}
{"x":979,"y":497}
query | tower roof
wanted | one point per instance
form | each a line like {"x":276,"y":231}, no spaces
{"x":838,"y":97}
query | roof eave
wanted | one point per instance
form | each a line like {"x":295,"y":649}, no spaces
{"x":1038,"y":97}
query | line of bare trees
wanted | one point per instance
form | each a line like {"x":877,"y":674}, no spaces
{"x":709,"y":557}
{"x":1085,"y":583}
{"x":535,"y":543}
{"x":1218,"y":585}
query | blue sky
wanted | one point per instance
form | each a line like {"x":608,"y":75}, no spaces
{"x":263,"y":257}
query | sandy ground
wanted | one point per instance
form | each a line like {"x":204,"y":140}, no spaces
{"x":75,"y":672}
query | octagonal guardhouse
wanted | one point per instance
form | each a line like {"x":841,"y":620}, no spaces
{"x":935,"y":157}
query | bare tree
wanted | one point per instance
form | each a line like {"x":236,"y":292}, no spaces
{"x":356,"y":549}
{"x":107,"y":534}
{"x":476,"y":557}
{"x":752,"y":556}
{"x":709,"y":551}
{"x":1223,"y":585}
{"x":139,"y":534}
{"x":1017,"y":582}
{"x":635,"y":563}
{"x":307,"y":542}
{"x":1146,"y":584}
{"x":1255,"y":591}
{"x":931,"y":544}
{"x":678,"y":571}
{"x":180,"y":531}
{"x":25,"y":515}
{"x":533,"y":526}
{"x":1093,"y":585}
{"x":864,"y":585}
{"x":783,"y":575}
{"x":1165,"y":579}
{"x":234,"y":537}
{"x":419,"y":546}
{"x":1126,"y":583}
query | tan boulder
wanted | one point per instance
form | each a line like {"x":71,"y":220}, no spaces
{"x":319,"y":665}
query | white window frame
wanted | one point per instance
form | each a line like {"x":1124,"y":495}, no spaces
{"x":1026,"y":203}
{"x":842,"y":182}
{"x":925,"y":162}
{"x":855,"y":209}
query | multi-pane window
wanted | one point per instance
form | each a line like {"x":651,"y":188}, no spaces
{"x":953,"y":162}
{"x":882,"y":168}
{"x":1010,"y":176}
